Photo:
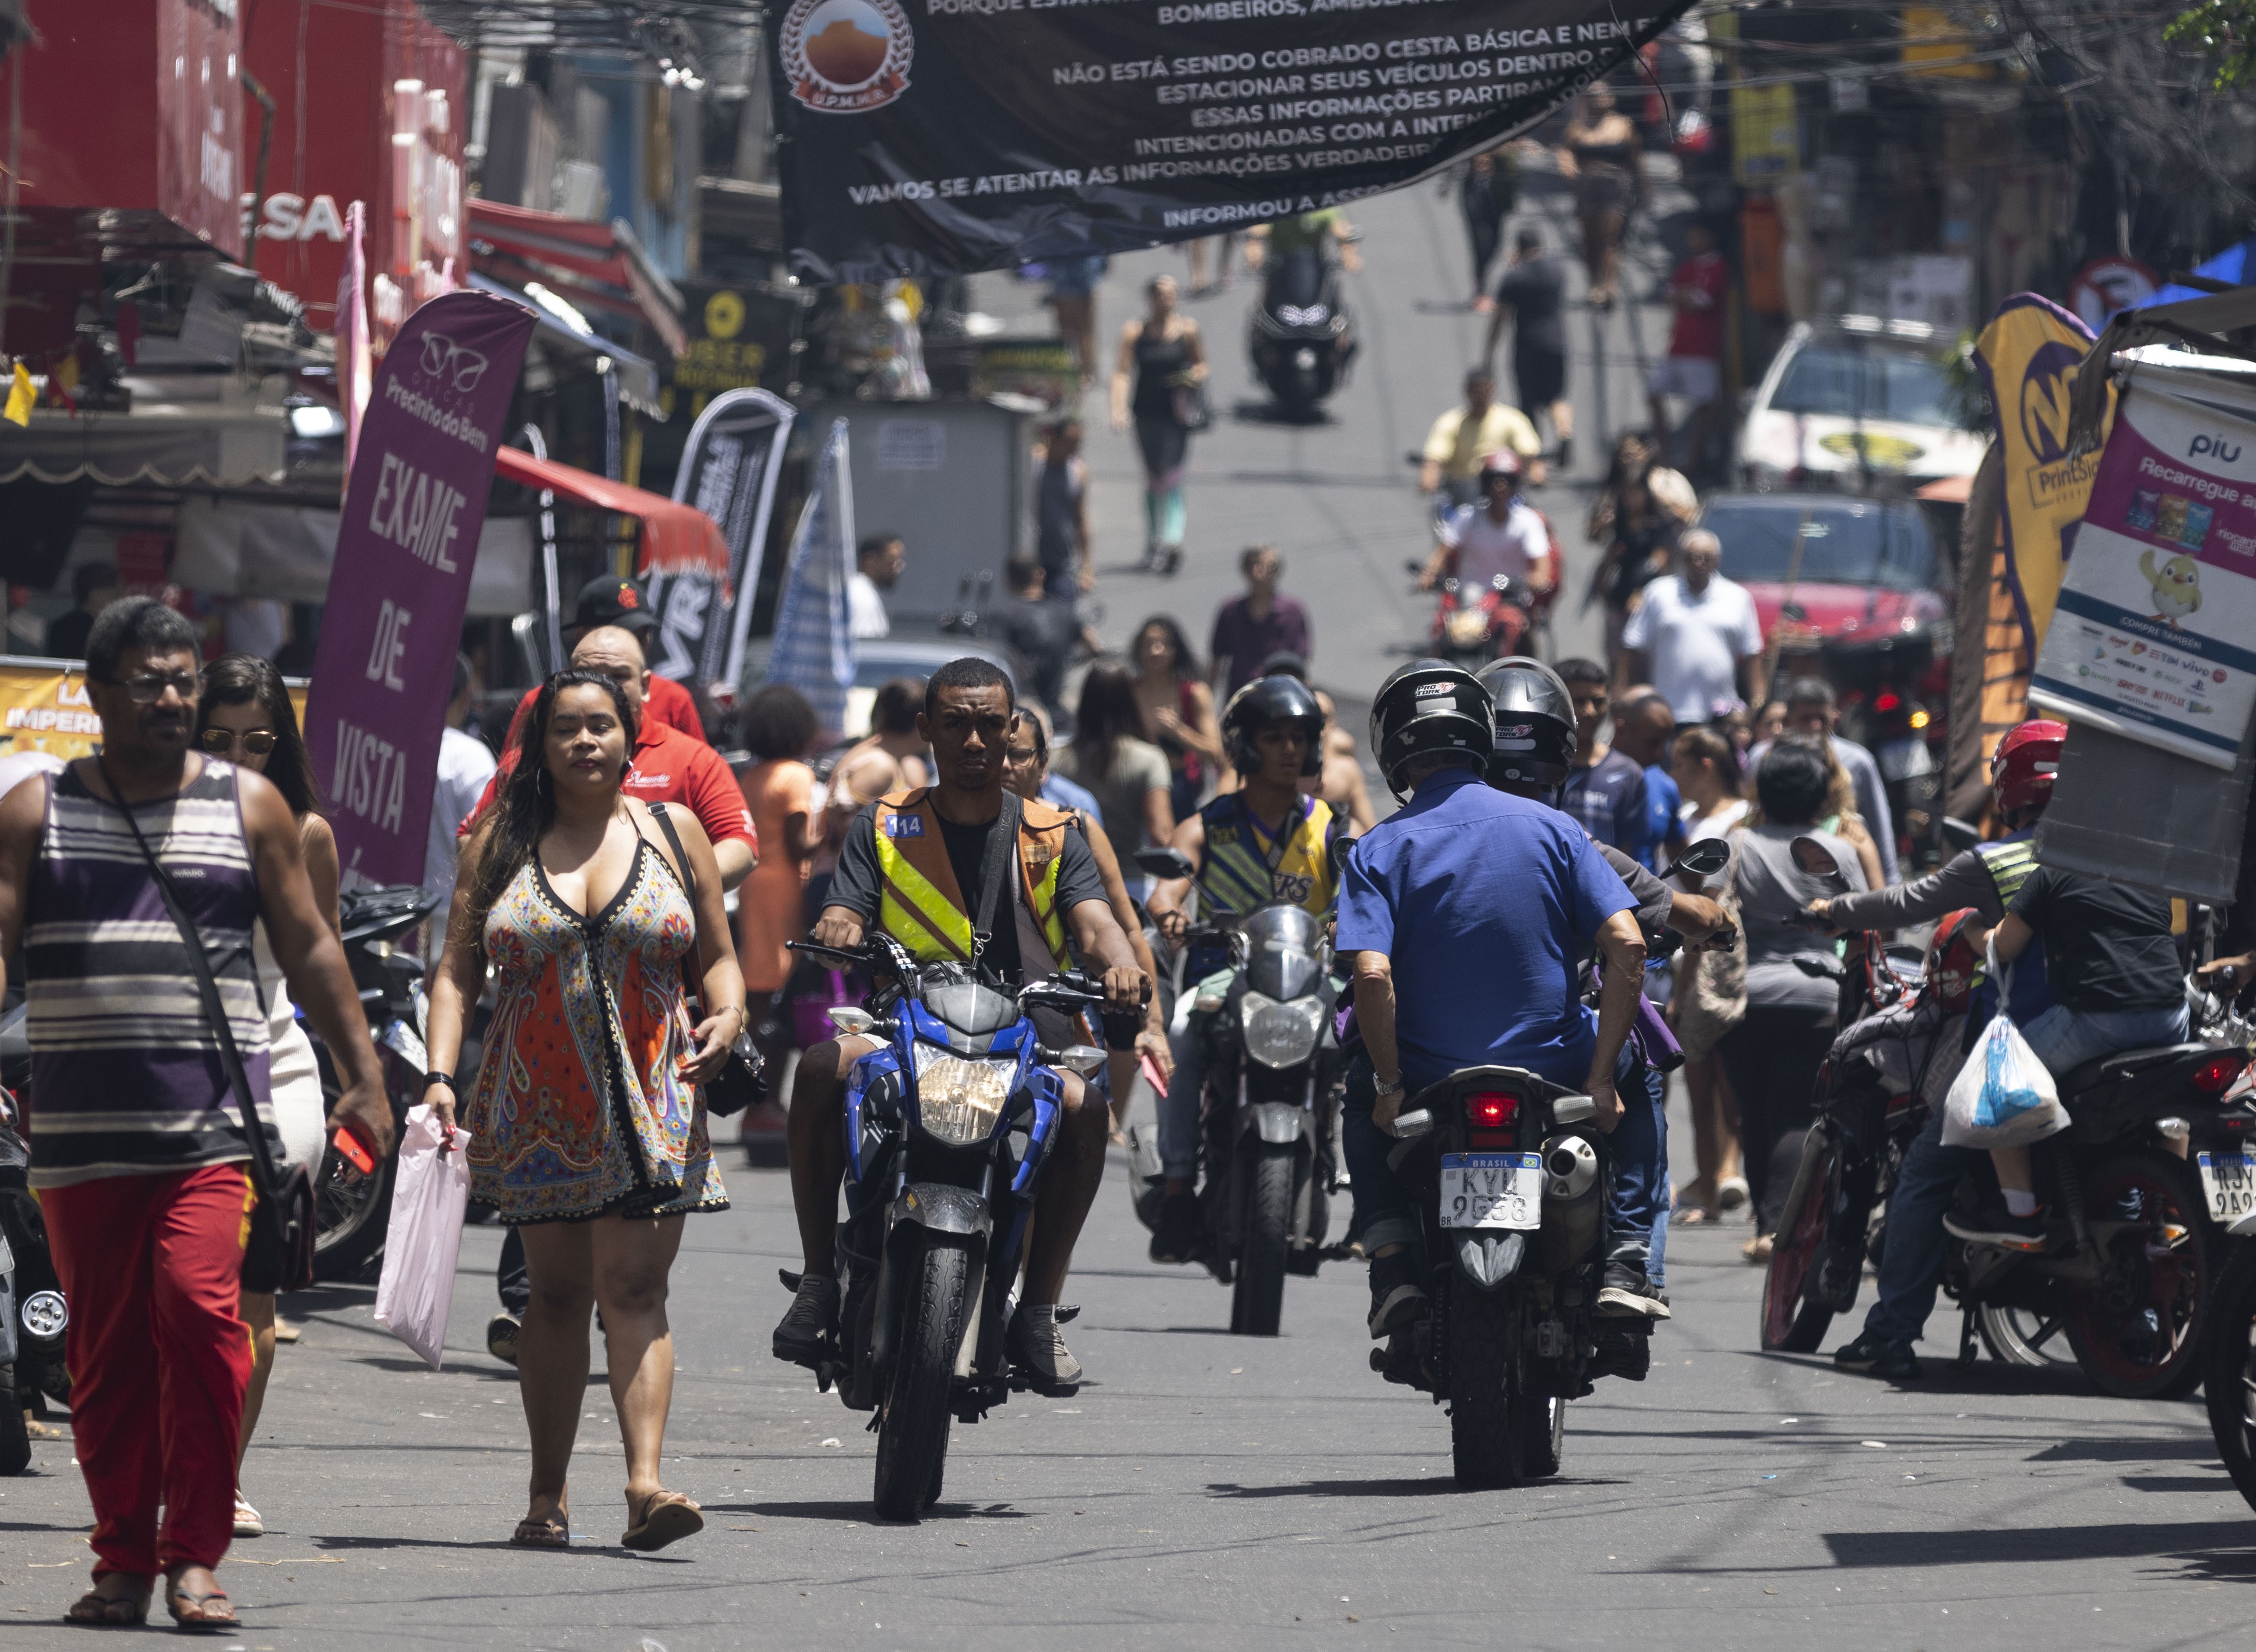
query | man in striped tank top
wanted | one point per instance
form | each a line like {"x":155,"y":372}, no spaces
{"x":138,"y":1144}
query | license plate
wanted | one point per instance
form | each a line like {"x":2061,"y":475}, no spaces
{"x":2230,"y":1180}
{"x":1492,"y":1189}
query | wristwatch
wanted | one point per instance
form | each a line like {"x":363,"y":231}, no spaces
{"x":1394,"y":1089}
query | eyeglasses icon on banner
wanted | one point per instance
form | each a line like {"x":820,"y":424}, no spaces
{"x":443,"y":358}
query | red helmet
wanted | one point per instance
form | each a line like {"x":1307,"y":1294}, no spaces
{"x":2026,"y":760}
{"x":1952,"y":962}
{"x":1503,"y":462}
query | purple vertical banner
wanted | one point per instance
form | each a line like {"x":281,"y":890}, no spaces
{"x":401,"y":581}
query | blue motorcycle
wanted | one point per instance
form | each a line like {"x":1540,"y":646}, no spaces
{"x":947,"y":1126}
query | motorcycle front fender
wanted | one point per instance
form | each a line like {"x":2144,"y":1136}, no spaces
{"x":943,"y":1209}
{"x":1489,"y":1259}
{"x":1279,"y":1123}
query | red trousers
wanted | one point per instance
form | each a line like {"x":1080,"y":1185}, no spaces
{"x":152,"y":1267}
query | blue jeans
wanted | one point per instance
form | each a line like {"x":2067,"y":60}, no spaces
{"x":1638,"y":1218}
{"x":1911,"y":1265}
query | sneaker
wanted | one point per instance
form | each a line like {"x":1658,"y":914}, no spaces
{"x":1731,"y":1193}
{"x":1036,"y":1348}
{"x":501,"y":1337}
{"x":1175,"y":1235}
{"x":1627,"y":1294}
{"x":809,"y":1326}
{"x":1992,"y":1224}
{"x":1881,"y":1357}
{"x":1397,"y":1298}
{"x":1622,"y":1349}
{"x":247,"y":1522}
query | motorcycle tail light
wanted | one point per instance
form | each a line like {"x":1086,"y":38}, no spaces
{"x":1492,"y":1110}
{"x":2215,"y":1075}
{"x":1887,"y":700}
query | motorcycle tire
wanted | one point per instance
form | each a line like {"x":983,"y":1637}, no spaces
{"x":351,"y":1210}
{"x":913,"y":1422}
{"x":2228,"y":1362}
{"x":1257,"y":1301}
{"x":2021,"y":1337}
{"x":1792,"y":1321}
{"x":1493,"y":1418}
{"x":2119,"y":1342}
{"x":15,"y":1438}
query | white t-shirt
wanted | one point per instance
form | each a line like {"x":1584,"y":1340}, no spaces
{"x":1696,"y":643}
{"x":1487,"y":548}
{"x":465,"y":766}
{"x":865,"y":607}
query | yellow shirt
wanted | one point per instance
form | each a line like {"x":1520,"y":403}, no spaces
{"x":1456,"y":444}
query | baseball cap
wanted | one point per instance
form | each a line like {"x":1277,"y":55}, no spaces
{"x":612,"y":600}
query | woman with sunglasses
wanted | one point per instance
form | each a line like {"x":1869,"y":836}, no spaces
{"x":243,"y":716}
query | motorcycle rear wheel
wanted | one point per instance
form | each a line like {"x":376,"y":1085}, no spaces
{"x":352,"y":1212}
{"x":2228,"y":1362}
{"x":1790,"y":1323}
{"x":913,"y":1426}
{"x":1493,"y":1418}
{"x":2019,"y":1336}
{"x":1257,"y":1303}
{"x":2170,"y":1275}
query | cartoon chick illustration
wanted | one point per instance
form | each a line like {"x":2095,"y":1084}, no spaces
{"x":2177,"y":586}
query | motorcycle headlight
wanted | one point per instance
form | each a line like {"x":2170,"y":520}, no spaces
{"x":1466,"y":626}
{"x":960,"y":1098}
{"x":1281,"y":1034}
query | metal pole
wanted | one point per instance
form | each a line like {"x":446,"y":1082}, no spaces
{"x":551,"y":599}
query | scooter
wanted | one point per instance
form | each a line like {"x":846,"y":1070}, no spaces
{"x":1300,"y":338}
{"x":1271,"y":1073}
{"x":948,"y":1125}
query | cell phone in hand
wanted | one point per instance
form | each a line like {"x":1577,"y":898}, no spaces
{"x":349,"y":1148}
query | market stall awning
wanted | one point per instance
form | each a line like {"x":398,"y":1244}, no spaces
{"x":593,"y":265}
{"x":676,"y":538}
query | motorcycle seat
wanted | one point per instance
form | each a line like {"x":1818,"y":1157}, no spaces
{"x":2125,"y":1063}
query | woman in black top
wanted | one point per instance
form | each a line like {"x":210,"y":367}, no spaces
{"x":1486,"y":193}
{"x":1164,"y":360}
{"x":1600,"y":151}
{"x":2116,"y":984}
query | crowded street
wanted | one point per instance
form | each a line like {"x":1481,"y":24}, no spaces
{"x":881,"y":823}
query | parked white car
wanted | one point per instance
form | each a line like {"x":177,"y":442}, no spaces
{"x":1851,"y":403}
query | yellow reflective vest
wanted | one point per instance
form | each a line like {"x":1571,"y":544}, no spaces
{"x":921,"y":906}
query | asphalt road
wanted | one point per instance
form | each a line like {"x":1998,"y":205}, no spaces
{"x":1207,"y":1489}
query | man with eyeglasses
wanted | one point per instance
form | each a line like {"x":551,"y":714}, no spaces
{"x":138,"y":1141}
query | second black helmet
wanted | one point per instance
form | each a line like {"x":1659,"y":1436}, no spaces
{"x":1429,"y":708}
{"x":1535,"y":743}
{"x":1266,"y":700}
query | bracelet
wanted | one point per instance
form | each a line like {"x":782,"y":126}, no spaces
{"x":447,"y":1079}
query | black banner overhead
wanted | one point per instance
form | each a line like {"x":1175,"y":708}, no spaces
{"x":939,"y":136}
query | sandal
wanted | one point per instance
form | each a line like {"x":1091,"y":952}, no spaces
{"x":666,"y":1517}
{"x":551,"y":1530}
{"x":94,"y":1610}
{"x":200,"y":1618}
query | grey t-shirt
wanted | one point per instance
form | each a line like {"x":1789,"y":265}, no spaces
{"x":1138,"y":769}
{"x":1771,"y":891}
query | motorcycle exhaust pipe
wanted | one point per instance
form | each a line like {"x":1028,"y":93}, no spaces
{"x":1574,"y":1204}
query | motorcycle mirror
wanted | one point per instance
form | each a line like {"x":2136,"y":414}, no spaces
{"x":1816,"y":859}
{"x":1703,"y":860}
{"x":1168,"y":865}
{"x":849,"y":1021}
{"x":1079,"y":1058}
{"x":1960,"y":835}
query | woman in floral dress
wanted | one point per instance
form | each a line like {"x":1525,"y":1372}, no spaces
{"x":587,"y":1132}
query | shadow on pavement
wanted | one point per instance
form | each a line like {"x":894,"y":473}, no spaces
{"x":608,"y":1551}
{"x":2213,"y":1542}
{"x":862,"y":1514}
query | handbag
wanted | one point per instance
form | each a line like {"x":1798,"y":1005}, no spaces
{"x":742,"y":1079}
{"x":1193,"y":411}
{"x":280,"y":1255}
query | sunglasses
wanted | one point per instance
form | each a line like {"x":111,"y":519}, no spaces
{"x":149,"y":687}
{"x":219,"y":741}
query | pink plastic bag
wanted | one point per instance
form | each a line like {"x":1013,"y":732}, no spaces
{"x":430,"y":1191}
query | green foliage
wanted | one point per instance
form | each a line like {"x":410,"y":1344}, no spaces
{"x":1969,"y":405}
{"x":2225,"y":30}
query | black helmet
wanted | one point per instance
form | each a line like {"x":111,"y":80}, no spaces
{"x":1266,"y":700}
{"x":1427,"y":709}
{"x":1535,"y":724}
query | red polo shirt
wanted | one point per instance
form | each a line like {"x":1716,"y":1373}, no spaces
{"x":668,"y":767}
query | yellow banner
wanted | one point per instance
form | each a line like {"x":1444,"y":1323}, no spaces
{"x":1766,"y":136}
{"x":44,"y":707}
{"x":2029,"y":356}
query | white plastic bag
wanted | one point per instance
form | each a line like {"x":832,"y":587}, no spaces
{"x":2003,"y":1097}
{"x":429,"y":1192}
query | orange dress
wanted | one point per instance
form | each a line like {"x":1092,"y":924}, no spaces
{"x":772,"y":904}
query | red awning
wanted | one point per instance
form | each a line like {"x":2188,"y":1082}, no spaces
{"x":676,"y":538}
{"x":592,"y":265}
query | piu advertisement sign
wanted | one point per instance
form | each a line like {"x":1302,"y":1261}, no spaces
{"x":934,"y":135}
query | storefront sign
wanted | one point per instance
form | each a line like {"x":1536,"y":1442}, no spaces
{"x":1766,"y":136}
{"x":44,"y":707}
{"x":729,"y":472}
{"x":956,"y":135}
{"x":740,"y":338}
{"x":2154,"y":634}
{"x":412,"y":513}
{"x":2029,"y":354}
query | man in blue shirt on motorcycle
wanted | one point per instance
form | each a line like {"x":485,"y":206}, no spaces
{"x":1465,"y":913}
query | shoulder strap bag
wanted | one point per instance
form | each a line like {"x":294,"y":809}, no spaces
{"x":742,"y":1079}
{"x":280,"y":1256}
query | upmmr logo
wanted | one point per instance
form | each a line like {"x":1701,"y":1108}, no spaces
{"x":846,"y":57}
{"x":2045,"y":385}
